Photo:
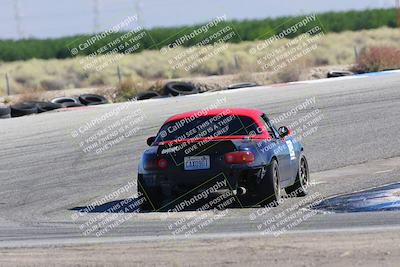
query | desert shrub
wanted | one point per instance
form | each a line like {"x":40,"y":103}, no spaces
{"x":52,"y":84}
{"x":289,"y":74}
{"x":31,"y":95}
{"x":377,"y":58}
{"x":129,"y":87}
{"x":292,"y":72}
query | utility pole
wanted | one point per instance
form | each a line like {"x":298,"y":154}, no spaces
{"x":17,"y":17}
{"x":96,"y":15}
{"x":398,"y":13}
{"x":139,"y":13}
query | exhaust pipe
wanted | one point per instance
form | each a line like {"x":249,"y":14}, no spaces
{"x":241,"y":191}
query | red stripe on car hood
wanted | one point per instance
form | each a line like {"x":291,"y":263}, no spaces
{"x":233,"y":137}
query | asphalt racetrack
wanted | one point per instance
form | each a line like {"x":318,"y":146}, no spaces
{"x":47,"y":170}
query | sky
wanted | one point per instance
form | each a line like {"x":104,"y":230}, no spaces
{"x":58,"y":18}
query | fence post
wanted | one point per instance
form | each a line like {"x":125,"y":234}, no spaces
{"x":8,"y":85}
{"x":356,"y":53}
{"x":119,"y":74}
{"x":237,"y":65}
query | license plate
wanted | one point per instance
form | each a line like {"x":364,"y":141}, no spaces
{"x":196,"y":163}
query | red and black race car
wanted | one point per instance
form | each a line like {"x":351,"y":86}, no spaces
{"x":237,"y":149}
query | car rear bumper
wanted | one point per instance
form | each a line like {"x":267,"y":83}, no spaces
{"x":174,"y":184}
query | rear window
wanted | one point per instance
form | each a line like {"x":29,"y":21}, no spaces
{"x":207,"y":126}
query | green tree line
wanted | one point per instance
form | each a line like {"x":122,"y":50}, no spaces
{"x":246,"y":30}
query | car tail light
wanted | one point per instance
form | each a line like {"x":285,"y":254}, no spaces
{"x":239,"y":157}
{"x":162,"y":163}
{"x":151,"y":162}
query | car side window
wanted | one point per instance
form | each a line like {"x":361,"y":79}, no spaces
{"x":268,"y":126}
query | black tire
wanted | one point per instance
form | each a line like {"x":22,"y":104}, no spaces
{"x":180,"y":88}
{"x":91,"y":99}
{"x":241,"y":85}
{"x":62,"y":100}
{"x":5,"y":116}
{"x":5,"y":112}
{"x":45,"y":106}
{"x":147,"y":95}
{"x":71,"y":105}
{"x":300,"y":186}
{"x":153,"y":197}
{"x":23,"y":109}
{"x":339,"y":73}
{"x":268,"y":188}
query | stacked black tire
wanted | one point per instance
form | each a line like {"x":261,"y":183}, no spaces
{"x":66,"y":102}
{"x":91,"y":99}
{"x":170,"y":89}
{"x":23,"y":109}
{"x":339,"y":73}
{"x":34,"y":107}
{"x":5,"y":112}
{"x":82,"y":100}
{"x":180,"y":88}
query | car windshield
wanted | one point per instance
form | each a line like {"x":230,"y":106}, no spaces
{"x":207,"y":126}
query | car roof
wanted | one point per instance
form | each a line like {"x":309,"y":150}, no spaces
{"x":248,"y":112}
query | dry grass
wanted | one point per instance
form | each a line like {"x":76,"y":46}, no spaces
{"x":143,"y":70}
{"x":31,"y":95}
{"x":129,"y":87}
{"x":378,"y":59}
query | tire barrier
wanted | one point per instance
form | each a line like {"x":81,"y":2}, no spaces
{"x":241,"y":85}
{"x":64,"y":100}
{"x":32,"y":107}
{"x":339,"y":73}
{"x":147,"y":95}
{"x":92,"y":99}
{"x":5,"y":112}
{"x":71,"y":105}
{"x":45,"y":106}
{"x":23,"y":109}
{"x":180,"y":88}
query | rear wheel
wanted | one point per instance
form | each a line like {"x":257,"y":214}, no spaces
{"x":300,"y":187}
{"x":268,"y":185}
{"x":152,"y":200}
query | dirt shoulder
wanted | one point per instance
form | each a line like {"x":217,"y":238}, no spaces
{"x":317,"y":249}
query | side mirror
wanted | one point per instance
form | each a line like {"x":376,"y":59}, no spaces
{"x":150,"y":140}
{"x":284,"y":131}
